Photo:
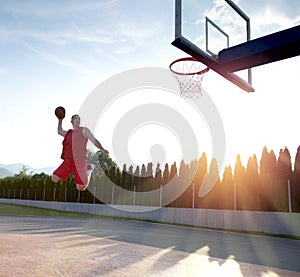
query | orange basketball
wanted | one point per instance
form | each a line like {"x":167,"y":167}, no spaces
{"x":60,"y":112}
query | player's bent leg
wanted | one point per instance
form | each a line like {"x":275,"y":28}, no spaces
{"x":55,"y":178}
{"x":62,"y":172}
{"x":81,"y":187}
{"x":82,"y":173}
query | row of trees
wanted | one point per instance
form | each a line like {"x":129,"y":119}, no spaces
{"x":266,"y":185}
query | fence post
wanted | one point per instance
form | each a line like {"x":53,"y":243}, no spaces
{"x":54,"y":193}
{"x":66,"y":194}
{"x":20,"y":193}
{"x":27,"y":194}
{"x":234,"y":196}
{"x":8,"y":193}
{"x":193,"y":203}
{"x":78,"y":197}
{"x":289,"y":195}
{"x":94,"y":199}
{"x":134,"y":189}
{"x":160,"y":196}
{"x":44,"y":195}
{"x":112,"y":194}
{"x":14,"y":193}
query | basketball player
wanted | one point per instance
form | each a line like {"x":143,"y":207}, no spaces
{"x":74,"y":153}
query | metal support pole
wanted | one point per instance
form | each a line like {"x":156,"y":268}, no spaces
{"x":193,"y":204}
{"x":94,"y":199}
{"x":289,"y":196}
{"x":112,"y":194}
{"x":160,"y":196}
{"x":234,"y":195}
{"x":66,"y":190}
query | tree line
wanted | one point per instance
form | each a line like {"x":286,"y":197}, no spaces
{"x":268,"y":184}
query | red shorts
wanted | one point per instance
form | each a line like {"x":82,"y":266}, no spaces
{"x":77,"y":168}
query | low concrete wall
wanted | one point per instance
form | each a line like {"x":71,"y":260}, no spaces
{"x":267,"y":222}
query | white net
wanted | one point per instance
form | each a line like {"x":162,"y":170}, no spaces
{"x":189,"y":73}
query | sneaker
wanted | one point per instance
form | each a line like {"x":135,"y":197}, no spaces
{"x":90,"y":167}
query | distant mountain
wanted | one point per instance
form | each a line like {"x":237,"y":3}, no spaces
{"x":48,"y":170}
{"x":4,"y":172}
{"x":12,"y":169}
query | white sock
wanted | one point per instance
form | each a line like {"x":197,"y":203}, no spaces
{"x":89,"y":172}
{"x":91,"y":169}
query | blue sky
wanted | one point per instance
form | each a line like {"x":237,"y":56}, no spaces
{"x":56,"y":52}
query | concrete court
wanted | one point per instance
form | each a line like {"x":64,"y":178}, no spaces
{"x":42,"y":246}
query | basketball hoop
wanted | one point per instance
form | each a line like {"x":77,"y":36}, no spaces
{"x":189,"y":73}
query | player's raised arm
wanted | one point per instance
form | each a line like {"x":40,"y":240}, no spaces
{"x":60,"y":130}
{"x":87,"y":133}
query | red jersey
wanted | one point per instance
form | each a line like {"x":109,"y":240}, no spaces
{"x":74,"y":145}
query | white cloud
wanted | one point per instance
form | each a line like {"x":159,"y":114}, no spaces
{"x":230,"y":22}
{"x":59,"y":37}
{"x":48,"y":56}
{"x":42,"y":9}
{"x":272,"y":19}
{"x":271,"y":16}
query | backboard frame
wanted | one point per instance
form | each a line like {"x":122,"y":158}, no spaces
{"x":210,"y":60}
{"x":210,"y":22}
{"x":263,"y":50}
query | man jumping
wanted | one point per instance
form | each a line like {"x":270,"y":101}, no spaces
{"x":74,"y":153}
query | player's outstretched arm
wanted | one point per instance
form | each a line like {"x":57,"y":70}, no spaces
{"x":87,"y":133}
{"x":60,"y":130}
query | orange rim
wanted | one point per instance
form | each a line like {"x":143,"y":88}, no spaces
{"x":189,"y":73}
